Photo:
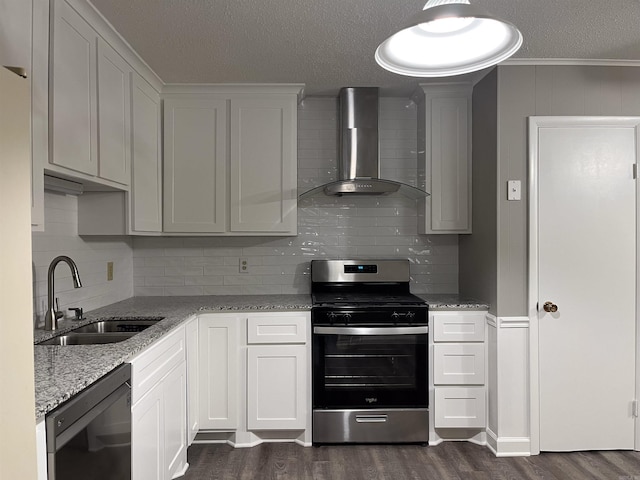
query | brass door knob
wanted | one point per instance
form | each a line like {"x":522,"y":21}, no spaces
{"x":550,"y":307}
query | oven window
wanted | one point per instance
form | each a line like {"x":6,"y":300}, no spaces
{"x":370,"y":371}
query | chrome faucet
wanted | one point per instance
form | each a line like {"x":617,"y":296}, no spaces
{"x":52,"y":315}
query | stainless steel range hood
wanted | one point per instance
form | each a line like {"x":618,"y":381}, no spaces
{"x":358,"y":165}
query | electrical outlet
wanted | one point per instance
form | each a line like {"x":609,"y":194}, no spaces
{"x":109,"y":271}
{"x":243,"y":265}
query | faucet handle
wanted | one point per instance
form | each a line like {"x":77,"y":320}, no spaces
{"x":59,"y":314}
{"x":78,"y":312}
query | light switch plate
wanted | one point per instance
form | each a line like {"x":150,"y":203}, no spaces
{"x":514,"y":190}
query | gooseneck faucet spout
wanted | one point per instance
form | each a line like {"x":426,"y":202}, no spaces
{"x":52,"y":315}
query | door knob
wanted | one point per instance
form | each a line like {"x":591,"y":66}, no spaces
{"x":550,"y":307}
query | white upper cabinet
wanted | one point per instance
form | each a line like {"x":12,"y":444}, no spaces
{"x":114,"y":115}
{"x":73,"y":118}
{"x":146,"y":181}
{"x":15,"y":25}
{"x":195,"y":159}
{"x":263,"y":165}
{"x":444,"y":162}
{"x":230,"y":160}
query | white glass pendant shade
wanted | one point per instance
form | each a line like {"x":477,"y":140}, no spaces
{"x":448,"y":39}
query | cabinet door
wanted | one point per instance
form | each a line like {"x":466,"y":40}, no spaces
{"x":73,"y":127}
{"x":263,"y":165}
{"x":193,"y":425}
{"x":175,"y":420}
{"x":458,"y":364}
{"x":147,"y":436}
{"x":219,"y":351}
{"x":276,"y":386}
{"x":114,"y":115}
{"x":195,"y":156}
{"x":460,"y":407}
{"x":146,"y":181}
{"x":458,"y":326}
{"x":15,"y":25}
{"x":280,"y":327}
{"x":39,"y":107}
{"x":445,"y":126}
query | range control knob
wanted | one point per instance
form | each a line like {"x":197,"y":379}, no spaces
{"x":395,"y":315}
{"x":346,"y":317}
{"x":331,"y":315}
{"x":411,"y":315}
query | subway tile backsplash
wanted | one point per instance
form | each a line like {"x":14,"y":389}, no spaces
{"x":328,"y":227}
{"x":91,"y":255}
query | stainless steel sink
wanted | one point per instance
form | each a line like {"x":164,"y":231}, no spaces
{"x":105,"y":331}
{"x":117,"y":325}
{"x":87,"y":338}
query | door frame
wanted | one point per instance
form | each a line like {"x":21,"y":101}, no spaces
{"x":534,"y":123}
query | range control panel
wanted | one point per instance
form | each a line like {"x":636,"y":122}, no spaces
{"x":361,"y":269}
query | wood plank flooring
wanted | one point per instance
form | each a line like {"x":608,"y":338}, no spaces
{"x":450,"y":461}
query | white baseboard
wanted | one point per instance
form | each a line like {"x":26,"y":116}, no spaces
{"x":508,"y":446}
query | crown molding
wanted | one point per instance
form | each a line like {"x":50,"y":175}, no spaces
{"x":572,"y":61}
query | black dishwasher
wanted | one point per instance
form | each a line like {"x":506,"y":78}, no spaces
{"x":89,"y":436}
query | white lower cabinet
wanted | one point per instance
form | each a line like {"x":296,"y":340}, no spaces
{"x":460,"y":407}
{"x":457,"y":379}
{"x":147,"y":443}
{"x":159,"y":411}
{"x":174,"y":404}
{"x":193,"y":401}
{"x":276,"y":398}
{"x":255,"y":377}
{"x":219,"y":351}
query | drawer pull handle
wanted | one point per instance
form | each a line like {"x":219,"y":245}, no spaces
{"x":371,"y":418}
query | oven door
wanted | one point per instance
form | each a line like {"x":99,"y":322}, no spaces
{"x":369,"y":367}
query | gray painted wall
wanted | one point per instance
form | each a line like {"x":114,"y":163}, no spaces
{"x":478,"y":252}
{"x":525,"y":91}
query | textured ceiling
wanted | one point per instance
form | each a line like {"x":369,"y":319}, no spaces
{"x":327,"y":44}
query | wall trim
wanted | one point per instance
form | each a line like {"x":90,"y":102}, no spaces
{"x":508,"y":446}
{"x":513,"y":322}
{"x":603,"y":62}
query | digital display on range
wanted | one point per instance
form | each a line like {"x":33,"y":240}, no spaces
{"x":361,"y":269}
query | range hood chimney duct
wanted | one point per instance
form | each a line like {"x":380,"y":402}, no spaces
{"x":358,"y":165}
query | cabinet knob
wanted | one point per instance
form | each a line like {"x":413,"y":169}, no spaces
{"x":550,"y":307}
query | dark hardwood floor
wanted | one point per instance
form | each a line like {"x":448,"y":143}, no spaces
{"x":450,"y":461}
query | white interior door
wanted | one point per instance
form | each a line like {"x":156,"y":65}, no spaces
{"x":584,"y":198}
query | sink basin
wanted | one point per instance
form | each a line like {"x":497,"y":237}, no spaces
{"x":87,"y":338}
{"x":118,"y":325}
{"x":105,"y":331}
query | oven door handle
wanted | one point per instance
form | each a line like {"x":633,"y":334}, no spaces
{"x":371,"y":330}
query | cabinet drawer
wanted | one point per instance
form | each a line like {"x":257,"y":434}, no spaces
{"x":288,"y":327}
{"x":458,"y":364}
{"x":459,"y":407}
{"x":458,"y":327}
{"x":151,"y":365}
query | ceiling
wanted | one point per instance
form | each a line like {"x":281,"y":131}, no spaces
{"x":328,"y":44}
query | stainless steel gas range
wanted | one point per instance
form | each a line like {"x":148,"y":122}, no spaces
{"x":369,"y":348}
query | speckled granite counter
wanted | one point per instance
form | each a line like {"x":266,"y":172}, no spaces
{"x":63,"y":371}
{"x":445,"y":302}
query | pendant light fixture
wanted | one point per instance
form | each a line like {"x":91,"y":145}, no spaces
{"x":448,"y":37}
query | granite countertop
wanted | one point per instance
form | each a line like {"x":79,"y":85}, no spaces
{"x":443,"y":302}
{"x":63,"y":371}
